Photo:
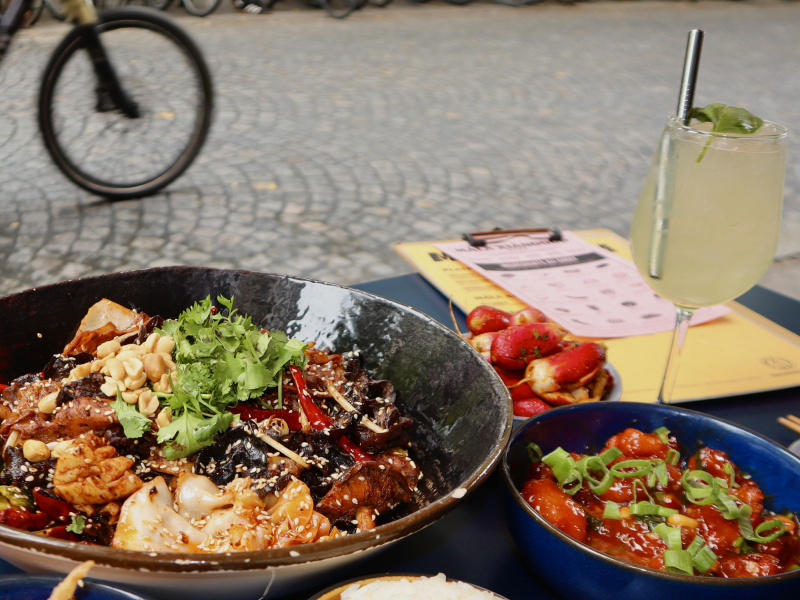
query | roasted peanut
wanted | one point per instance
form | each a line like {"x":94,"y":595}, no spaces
{"x":107,"y":349}
{"x":130,"y":397}
{"x":151,"y":341}
{"x":679,"y":520}
{"x":133,"y":367}
{"x":35,"y":451}
{"x":47,"y":404}
{"x":130,"y":351}
{"x":164,"y":417}
{"x":163,"y":385}
{"x":80,"y":371}
{"x":164,"y":344}
{"x":110,"y":387}
{"x":154,"y":366}
{"x":133,"y":383}
{"x":148,"y":403}
{"x":116,"y":369}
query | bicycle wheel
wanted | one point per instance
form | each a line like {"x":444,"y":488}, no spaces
{"x":380,"y":3}
{"x":158,"y":4}
{"x":339,"y":9}
{"x":201,"y":8}
{"x":162,"y":71}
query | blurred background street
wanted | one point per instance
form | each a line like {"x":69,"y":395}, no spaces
{"x":335,"y":139}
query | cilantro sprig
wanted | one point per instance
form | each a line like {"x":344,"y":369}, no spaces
{"x":222,"y":359}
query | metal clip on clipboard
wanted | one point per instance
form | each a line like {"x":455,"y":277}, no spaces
{"x":481,"y":238}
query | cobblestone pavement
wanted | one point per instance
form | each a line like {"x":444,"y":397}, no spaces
{"x":335,"y":139}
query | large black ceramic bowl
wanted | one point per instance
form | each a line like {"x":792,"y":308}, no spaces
{"x":574,"y":569}
{"x":463,"y":408}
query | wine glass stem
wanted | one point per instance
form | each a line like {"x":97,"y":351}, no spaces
{"x":671,"y":372}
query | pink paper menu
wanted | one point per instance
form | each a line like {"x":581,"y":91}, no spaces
{"x":586,"y":289}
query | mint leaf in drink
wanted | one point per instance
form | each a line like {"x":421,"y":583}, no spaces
{"x":726,"y":119}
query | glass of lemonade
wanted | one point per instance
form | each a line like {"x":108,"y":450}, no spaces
{"x":706,"y":225}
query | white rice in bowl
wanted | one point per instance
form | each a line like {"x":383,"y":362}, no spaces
{"x":415,"y":588}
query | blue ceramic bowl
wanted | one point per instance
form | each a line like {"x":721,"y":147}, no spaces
{"x":39,"y":587}
{"x":575,"y":570}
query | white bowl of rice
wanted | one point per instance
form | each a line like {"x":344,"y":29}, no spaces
{"x":403,"y":587}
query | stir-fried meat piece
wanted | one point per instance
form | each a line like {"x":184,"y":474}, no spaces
{"x":367,"y":484}
{"x":401,"y":461}
{"x":22,"y":396}
{"x":47,"y":410}
{"x":89,"y":472}
{"x":392,"y":430}
{"x":82,"y":415}
{"x":104,"y":321}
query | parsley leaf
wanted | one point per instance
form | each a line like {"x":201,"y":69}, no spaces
{"x":134,"y":423}
{"x":77,"y":525}
{"x":222,"y":359}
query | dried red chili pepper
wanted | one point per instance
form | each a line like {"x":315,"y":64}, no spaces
{"x":29,"y":521}
{"x":58,"y":509}
{"x":60,"y":533}
{"x":318,"y":419}
{"x":291,"y":417}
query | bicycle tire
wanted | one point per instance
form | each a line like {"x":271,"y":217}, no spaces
{"x":158,"y":4}
{"x":56,"y":10}
{"x":339,"y":9}
{"x":201,"y":8}
{"x":106,"y":152}
{"x":380,"y":3}
{"x":458,"y":2}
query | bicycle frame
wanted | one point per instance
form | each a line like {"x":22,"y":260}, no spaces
{"x":110,"y":94}
{"x":11,"y":21}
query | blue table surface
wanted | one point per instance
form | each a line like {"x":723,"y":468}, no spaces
{"x":471,"y":542}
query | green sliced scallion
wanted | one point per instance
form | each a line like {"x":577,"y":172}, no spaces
{"x":648,"y":508}
{"x":671,"y":535}
{"x":678,"y":561}
{"x":588,"y":466}
{"x":610,"y":455}
{"x":673,"y":457}
{"x":635,"y":467}
{"x":731,"y":473}
{"x":704,"y":558}
{"x":701,"y":487}
{"x":663,"y":434}
{"x":611,"y":511}
{"x":746,"y":528}
{"x":534,"y":452}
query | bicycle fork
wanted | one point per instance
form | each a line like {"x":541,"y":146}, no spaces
{"x":110,"y":94}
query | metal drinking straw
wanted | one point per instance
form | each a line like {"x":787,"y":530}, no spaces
{"x":661,"y":206}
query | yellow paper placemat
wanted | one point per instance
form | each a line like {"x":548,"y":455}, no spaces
{"x":739,"y":353}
